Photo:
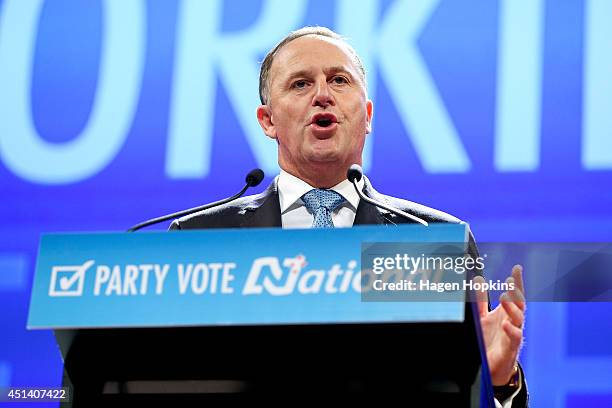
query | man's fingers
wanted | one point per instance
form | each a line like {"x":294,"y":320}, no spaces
{"x":481,"y":297}
{"x":517,"y":274}
{"x":516,"y":295}
{"x":514,"y":334}
{"x":515,"y":314}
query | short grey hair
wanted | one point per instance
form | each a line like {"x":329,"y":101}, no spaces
{"x":266,"y":65}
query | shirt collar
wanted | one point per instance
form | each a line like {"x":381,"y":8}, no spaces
{"x":291,"y":189}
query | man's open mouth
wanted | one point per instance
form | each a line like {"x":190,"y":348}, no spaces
{"x":324,"y":119}
{"x":324,"y":122}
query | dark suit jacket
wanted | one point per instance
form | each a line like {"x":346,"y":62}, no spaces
{"x":263,"y":210}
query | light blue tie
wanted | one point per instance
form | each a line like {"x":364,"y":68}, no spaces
{"x":322,"y":203}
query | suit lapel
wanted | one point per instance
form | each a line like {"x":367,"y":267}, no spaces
{"x":368,"y":214}
{"x":264,"y":210}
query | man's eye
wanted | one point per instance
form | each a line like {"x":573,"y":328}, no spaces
{"x":299,"y":84}
{"x":339,"y":80}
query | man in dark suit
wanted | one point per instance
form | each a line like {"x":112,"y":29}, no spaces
{"x":263,"y":210}
{"x":314,"y":104}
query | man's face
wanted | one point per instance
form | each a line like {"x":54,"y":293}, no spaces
{"x":318,"y":109}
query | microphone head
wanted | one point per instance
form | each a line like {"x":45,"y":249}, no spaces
{"x":254,"y":177}
{"x":354,"y":173}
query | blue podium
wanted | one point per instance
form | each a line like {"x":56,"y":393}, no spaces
{"x":192,"y":316}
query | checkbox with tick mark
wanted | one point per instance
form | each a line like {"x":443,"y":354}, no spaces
{"x":68,"y":280}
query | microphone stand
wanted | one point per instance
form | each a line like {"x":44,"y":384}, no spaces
{"x":253,"y":179}
{"x":355,"y":174}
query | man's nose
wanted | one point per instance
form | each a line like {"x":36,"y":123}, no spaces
{"x":322,"y":96}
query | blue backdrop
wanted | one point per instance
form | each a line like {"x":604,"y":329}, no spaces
{"x":498,"y":112}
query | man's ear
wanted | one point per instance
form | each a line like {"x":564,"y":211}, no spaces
{"x":369,"y":112}
{"x":264,"y":117}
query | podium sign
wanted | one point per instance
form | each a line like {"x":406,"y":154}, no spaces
{"x":222,"y":277}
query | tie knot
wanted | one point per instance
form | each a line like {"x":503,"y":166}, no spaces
{"x":317,"y":198}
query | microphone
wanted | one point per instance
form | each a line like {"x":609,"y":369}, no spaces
{"x":355,"y":173}
{"x":253,"y":179}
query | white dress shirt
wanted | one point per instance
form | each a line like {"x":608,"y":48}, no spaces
{"x":294,"y":213}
